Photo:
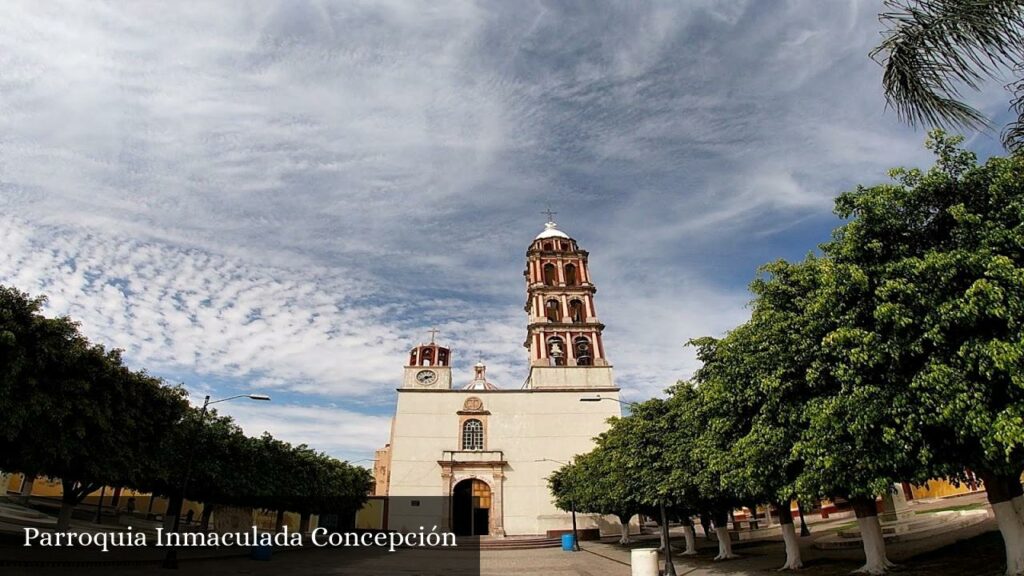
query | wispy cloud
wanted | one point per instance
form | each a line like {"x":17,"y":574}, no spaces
{"x":288,"y":194}
{"x":328,"y":428}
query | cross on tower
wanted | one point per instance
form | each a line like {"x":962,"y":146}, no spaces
{"x":551,"y":215}
{"x":433,"y":334}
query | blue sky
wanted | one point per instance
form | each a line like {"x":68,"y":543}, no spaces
{"x":283,"y":197}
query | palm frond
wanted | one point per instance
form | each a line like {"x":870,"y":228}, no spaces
{"x":1013,"y":134}
{"x":930,"y":47}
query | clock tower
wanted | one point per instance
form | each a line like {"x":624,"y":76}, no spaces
{"x":429,"y":367}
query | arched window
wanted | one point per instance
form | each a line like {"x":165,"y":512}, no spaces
{"x":547,"y":246}
{"x":581,"y":349}
{"x":413,"y":358}
{"x":570,"y":275}
{"x":442,"y":357}
{"x":575,"y":311}
{"x":428,"y":357}
{"x":550,"y":275}
{"x":553,"y":310}
{"x":556,"y":351}
{"x":472,"y":435}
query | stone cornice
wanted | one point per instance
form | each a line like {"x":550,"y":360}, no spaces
{"x":516,"y":390}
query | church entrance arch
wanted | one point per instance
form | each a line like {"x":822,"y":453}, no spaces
{"x":471,"y":508}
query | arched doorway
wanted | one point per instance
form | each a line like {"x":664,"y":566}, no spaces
{"x":471,"y":508}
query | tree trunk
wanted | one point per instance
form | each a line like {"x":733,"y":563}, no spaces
{"x":705,"y":523}
{"x":64,"y":519}
{"x":793,"y":560}
{"x":691,"y":540}
{"x":624,"y":537}
{"x":871,"y":537}
{"x":174,"y":503}
{"x":27,"y":483}
{"x":204,"y":523}
{"x":724,"y":544}
{"x":304,"y":522}
{"x":69,"y":498}
{"x":279,"y":522}
{"x":724,"y":539}
{"x":1004,"y":495}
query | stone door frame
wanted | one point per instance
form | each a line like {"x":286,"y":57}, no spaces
{"x":490,"y":473}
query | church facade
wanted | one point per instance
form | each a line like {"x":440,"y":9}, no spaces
{"x":481,"y":454}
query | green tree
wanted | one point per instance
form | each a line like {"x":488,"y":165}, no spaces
{"x":931,"y":47}
{"x":695,"y":444}
{"x":222,"y":464}
{"x":754,"y":386}
{"x":943,"y":257}
{"x":637,"y":448}
{"x":791,"y":408}
{"x":72,"y":410}
{"x":595,"y":484}
{"x":861,"y":438}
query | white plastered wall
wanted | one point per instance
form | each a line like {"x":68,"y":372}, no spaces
{"x":525,"y":425}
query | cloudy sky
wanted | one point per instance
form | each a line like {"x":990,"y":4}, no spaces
{"x":283,"y":197}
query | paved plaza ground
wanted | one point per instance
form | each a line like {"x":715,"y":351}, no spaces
{"x":979,"y":556}
{"x":973,"y":551}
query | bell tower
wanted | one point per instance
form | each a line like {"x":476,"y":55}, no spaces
{"x":429,"y":367}
{"x":563,"y":333}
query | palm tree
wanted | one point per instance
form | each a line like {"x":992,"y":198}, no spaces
{"x":931,"y":48}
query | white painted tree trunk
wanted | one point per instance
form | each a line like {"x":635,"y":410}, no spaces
{"x":1012,"y":529}
{"x":1018,"y":507}
{"x":874,"y":547}
{"x":691,"y":541}
{"x":27,"y":485}
{"x":724,"y":544}
{"x":624,"y":538}
{"x":793,"y":560}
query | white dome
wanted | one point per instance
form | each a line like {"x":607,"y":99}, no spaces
{"x":480,"y":379}
{"x":550,"y":231}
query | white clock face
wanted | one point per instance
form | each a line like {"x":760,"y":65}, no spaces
{"x":426,"y":377}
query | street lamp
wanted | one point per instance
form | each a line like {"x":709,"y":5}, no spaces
{"x":572,"y":506}
{"x":670,"y":568}
{"x":171,"y":560}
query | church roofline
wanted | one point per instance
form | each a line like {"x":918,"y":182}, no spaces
{"x":513,"y":390}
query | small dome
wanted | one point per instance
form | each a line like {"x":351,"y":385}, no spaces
{"x":551,"y":231}
{"x":480,"y":379}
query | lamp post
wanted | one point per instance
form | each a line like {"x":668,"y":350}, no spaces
{"x":572,"y":505}
{"x":171,"y":560}
{"x":670,"y":568}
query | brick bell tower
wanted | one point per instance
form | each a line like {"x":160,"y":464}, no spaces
{"x":563,"y":333}
{"x":429,"y":367}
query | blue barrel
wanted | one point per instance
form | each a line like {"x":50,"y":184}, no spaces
{"x":261,"y":552}
{"x":567,"y":542}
